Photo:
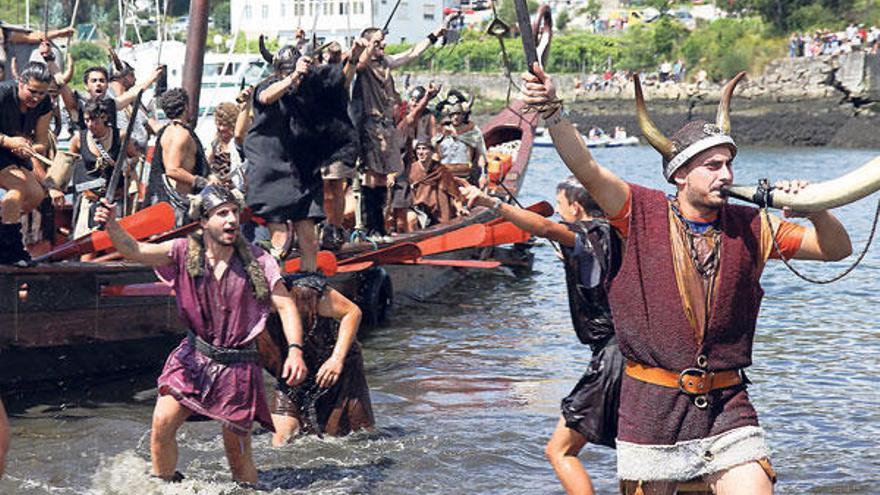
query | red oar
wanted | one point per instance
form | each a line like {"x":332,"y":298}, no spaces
{"x":463,"y":238}
{"x":454,"y":263}
{"x":542,"y":208}
{"x":504,"y":233}
{"x":145,"y":223}
{"x":326,"y":263}
{"x":387,"y":255}
{"x":354,"y":267}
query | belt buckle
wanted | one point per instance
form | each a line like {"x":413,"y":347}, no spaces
{"x":700,"y":384}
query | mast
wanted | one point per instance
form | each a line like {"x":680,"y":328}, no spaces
{"x":196,"y":35}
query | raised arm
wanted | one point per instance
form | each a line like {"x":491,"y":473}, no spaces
{"x":401,"y":59}
{"x":350,"y":65}
{"x":243,"y":121}
{"x":128,"y":246}
{"x":609,"y":190}
{"x":294,"y":370}
{"x":34,"y":37}
{"x":125,"y":99}
{"x":530,"y":222}
{"x":277,"y":89}
{"x":335,"y":305}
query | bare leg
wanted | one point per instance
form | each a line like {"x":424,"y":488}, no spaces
{"x":23,"y":193}
{"x":240,"y":456}
{"x":167,"y":418}
{"x":562,"y":450}
{"x":334,"y":200}
{"x":285,"y":428}
{"x":745,"y":479}
{"x":412,"y":221}
{"x":308,"y":244}
{"x":277,"y":234}
{"x":4,"y":438}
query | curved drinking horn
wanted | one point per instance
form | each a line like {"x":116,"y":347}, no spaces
{"x":267,"y":55}
{"x":656,"y":138}
{"x":843,"y":190}
{"x":722,"y":118}
{"x":115,"y":58}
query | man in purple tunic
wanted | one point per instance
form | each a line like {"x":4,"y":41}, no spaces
{"x":225,"y":289}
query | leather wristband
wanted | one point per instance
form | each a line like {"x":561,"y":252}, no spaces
{"x":432,"y":38}
{"x":295,"y":346}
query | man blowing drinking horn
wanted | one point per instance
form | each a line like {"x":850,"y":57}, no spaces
{"x":225,"y":290}
{"x":685,"y":300}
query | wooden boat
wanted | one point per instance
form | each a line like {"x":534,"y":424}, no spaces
{"x":77,"y":322}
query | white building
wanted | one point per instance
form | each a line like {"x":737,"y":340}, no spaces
{"x":339,"y":20}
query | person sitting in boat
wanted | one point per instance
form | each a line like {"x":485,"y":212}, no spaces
{"x":591,"y":253}
{"x":179,"y":166}
{"x":334,"y":398}
{"x":97,"y":147}
{"x":460,"y":141}
{"x":685,"y":300}
{"x":226,"y":289}
{"x":224,"y":157}
{"x":25,"y":114}
{"x":595,"y":133}
{"x":619,"y":132}
{"x":121,"y":80}
{"x":435,"y":193}
{"x":373,"y":102}
{"x":415,"y":124}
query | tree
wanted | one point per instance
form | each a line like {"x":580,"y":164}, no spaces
{"x":562,"y":20}
{"x":507,"y":10}
{"x":780,"y":14}
{"x":221,"y":15}
{"x":594,"y":8}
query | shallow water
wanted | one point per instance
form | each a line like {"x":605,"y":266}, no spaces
{"x":466,"y":389}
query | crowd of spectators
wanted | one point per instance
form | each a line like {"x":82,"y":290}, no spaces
{"x":824,"y":42}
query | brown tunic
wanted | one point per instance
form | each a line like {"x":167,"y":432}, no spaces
{"x":375,"y":96}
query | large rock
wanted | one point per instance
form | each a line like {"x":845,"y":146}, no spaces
{"x":859,"y":75}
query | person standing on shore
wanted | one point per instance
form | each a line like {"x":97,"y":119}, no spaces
{"x":685,"y":300}
{"x":591,"y":251}
{"x":225,"y":290}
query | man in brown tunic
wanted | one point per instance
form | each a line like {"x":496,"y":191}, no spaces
{"x":374,"y":99}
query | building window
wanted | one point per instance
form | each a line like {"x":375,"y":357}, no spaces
{"x":403,"y":13}
{"x":265,"y":11}
{"x":283,"y":9}
{"x":328,"y":8}
{"x":428,"y":13}
{"x":311,"y":8}
{"x":247,"y":11}
{"x":299,"y":8}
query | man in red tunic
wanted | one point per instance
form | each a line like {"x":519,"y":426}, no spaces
{"x":225,"y":290}
{"x":685,"y":301}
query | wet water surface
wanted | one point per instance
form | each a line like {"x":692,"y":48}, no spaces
{"x":466,"y":388}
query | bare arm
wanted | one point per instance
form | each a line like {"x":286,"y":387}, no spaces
{"x":128,"y":246}
{"x":826,"y":241}
{"x":401,"y":59}
{"x":609,"y":190}
{"x":529,"y":221}
{"x":277,"y":89}
{"x":173,"y":153}
{"x":69,"y":100}
{"x":294,"y":370}
{"x":335,"y":305}
{"x":126,"y":99}
{"x":41,"y":134}
{"x":243,"y":122}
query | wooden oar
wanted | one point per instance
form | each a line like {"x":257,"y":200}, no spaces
{"x":354,"y":267}
{"x":542,"y":208}
{"x":454,"y":263}
{"x":463,"y":238}
{"x":504,"y":233}
{"x":387,"y":255}
{"x":145,"y":223}
{"x":326,"y":263}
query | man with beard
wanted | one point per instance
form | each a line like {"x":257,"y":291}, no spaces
{"x":225,"y":291}
{"x":685,"y":300}
{"x":25,"y":113}
{"x":374,"y":99}
{"x":179,"y":167}
{"x":460,"y":141}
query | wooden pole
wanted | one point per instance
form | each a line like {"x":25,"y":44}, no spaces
{"x":196,"y":36}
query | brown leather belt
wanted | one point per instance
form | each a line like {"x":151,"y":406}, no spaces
{"x":692,"y":381}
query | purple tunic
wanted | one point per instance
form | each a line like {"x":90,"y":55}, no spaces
{"x":224,"y":313}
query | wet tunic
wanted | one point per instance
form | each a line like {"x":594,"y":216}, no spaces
{"x":591,"y":407}
{"x":224,"y":313}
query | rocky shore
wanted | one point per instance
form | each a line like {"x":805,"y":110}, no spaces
{"x":821,"y":101}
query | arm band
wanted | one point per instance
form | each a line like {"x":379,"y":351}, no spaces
{"x":295,"y":346}
{"x":199,"y":183}
{"x":432,"y":38}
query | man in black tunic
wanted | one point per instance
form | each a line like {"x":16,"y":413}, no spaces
{"x":25,"y":114}
{"x":591,"y":253}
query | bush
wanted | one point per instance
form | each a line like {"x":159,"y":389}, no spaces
{"x":728,"y":46}
{"x":85,"y":55}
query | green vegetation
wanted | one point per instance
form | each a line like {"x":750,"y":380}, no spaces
{"x":785,"y":16}
{"x":86,"y":55}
